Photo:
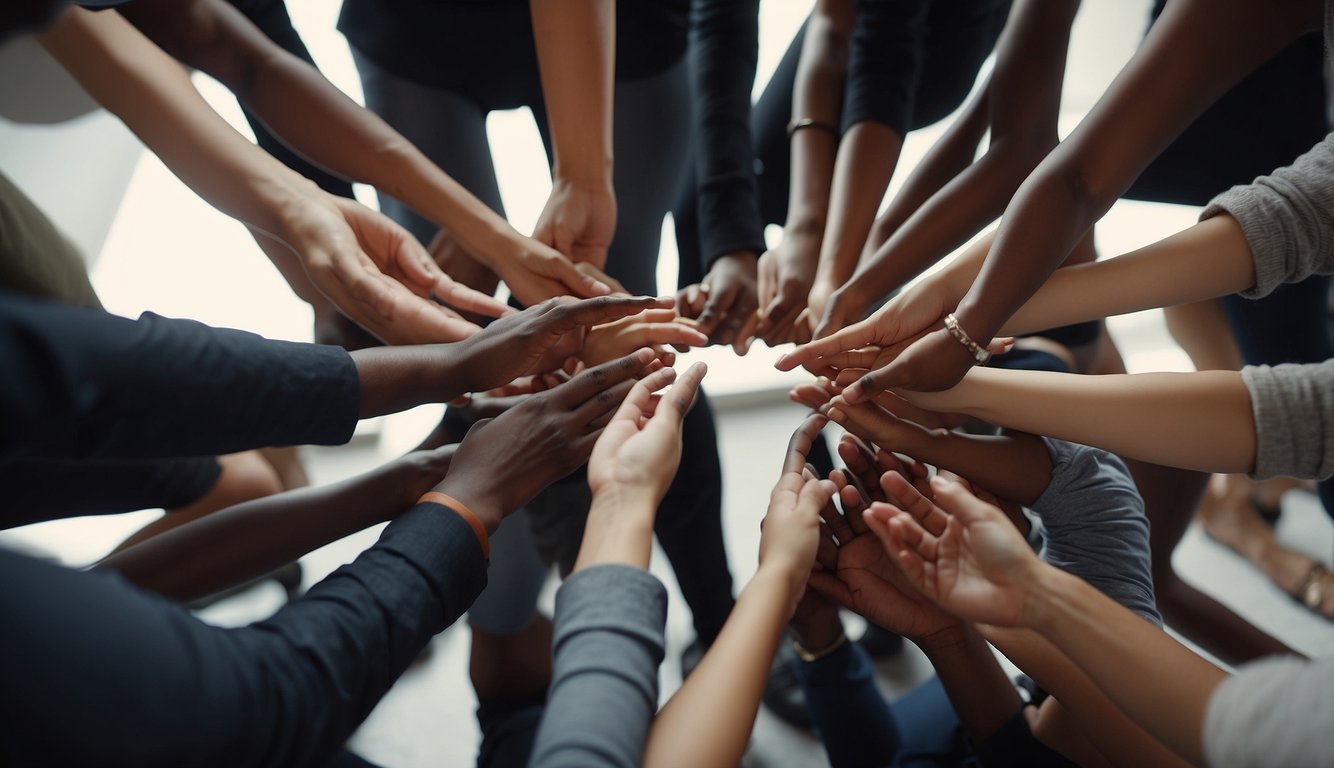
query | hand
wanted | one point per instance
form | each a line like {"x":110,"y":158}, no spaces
{"x":790,"y":531}
{"x":504,"y":462}
{"x":640,"y":449}
{"x":785,"y":277}
{"x":376,"y":273}
{"x":724,"y":303}
{"x":965,"y":553}
{"x":579,"y":220}
{"x":536,"y":272}
{"x":862,"y":577}
{"x":540,"y":338}
{"x":816,"y":301}
{"x":421,"y":470}
{"x":651,"y":328}
{"x":456,"y":262}
{"x":846,"y":306}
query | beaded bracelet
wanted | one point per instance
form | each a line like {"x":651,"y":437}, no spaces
{"x":979,"y":353}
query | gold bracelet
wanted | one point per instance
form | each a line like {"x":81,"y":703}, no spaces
{"x":979,"y":353}
{"x":809,"y":656}
{"x":810,"y":122}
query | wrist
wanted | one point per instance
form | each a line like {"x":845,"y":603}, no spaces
{"x":819,"y":634}
{"x":945,"y":640}
{"x":621,"y":502}
{"x":812,"y":650}
{"x":784,"y":574}
{"x":1046,"y":589}
{"x":481,"y":503}
{"x":804,"y":225}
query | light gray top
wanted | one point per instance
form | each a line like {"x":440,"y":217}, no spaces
{"x":1288,"y":220}
{"x":604,"y":687}
{"x":1275,"y":711}
{"x":1095,"y":525}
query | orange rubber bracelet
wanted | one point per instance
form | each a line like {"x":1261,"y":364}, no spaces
{"x":461,"y":509}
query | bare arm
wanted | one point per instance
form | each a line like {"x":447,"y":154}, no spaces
{"x":1195,"y":52}
{"x":1020,"y":105}
{"x":222,"y":550}
{"x":307,"y":112}
{"x":576,"y":52}
{"x":1200,"y":421}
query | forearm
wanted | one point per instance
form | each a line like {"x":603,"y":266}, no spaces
{"x":983,"y":697}
{"x":576,"y":52}
{"x":866,"y":159}
{"x":619,"y":530}
{"x":394,"y":379}
{"x":1193,"y":54}
{"x":154,"y":97}
{"x":816,"y":95}
{"x":1209,"y":260}
{"x":1100,"y":722}
{"x":246,"y":541}
{"x":1012,"y":466}
{"x":1168,"y":695}
{"x":708,"y":721}
{"x":1200,"y":421}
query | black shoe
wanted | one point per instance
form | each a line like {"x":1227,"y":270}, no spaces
{"x":880,"y":643}
{"x":782,"y":692}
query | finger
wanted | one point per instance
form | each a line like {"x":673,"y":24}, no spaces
{"x":810,"y":395}
{"x":467,"y":299}
{"x":603,"y":405}
{"x":588,"y":384}
{"x":640,"y":399}
{"x":853,"y":337}
{"x":415,"y":263}
{"x":585,"y":267}
{"x":875,"y":382}
{"x":838,"y":524}
{"x":714,"y":312}
{"x":690,"y":302}
{"x":745,"y":335}
{"x":566,"y":315}
{"x":955,"y":500}
{"x":669,"y":333}
{"x":826,"y":553}
{"x":799,"y":446}
{"x":556,"y":266}
{"x":831,"y":588}
{"x":782,"y":309}
{"x":868,"y":421}
{"x":676,"y":404}
{"x":361,"y":279}
{"x":853,"y":505}
{"x":893,"y":535}
{"x":910,"y":500}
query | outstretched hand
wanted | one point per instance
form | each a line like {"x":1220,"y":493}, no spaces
{"x":541,"y":338}
{"x":655,"y":328}
{"x":504,"y":462}
{"x":724,"y":302}
{"x":640,"y":448}
{"x":790,"y":531}
{"x":960,"y":551}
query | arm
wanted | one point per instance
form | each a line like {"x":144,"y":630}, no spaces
{"x":1191,"y":56}
{"x":610,"y":612}
{"x":940,"y":208}
{"x":576,"y":52}
{"x":787,"y":272}
{"x":708,"y":721}
{"x":1197,"y":420}
{"x":990,"y":575}
{"x":306,"y":111}
{"x":221,"y":550}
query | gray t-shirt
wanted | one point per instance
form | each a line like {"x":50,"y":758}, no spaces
{"x":1095,"y":525}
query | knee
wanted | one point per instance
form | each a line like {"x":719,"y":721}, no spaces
{"x":245,"y":476}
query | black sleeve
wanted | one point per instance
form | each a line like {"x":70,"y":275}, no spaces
{"x":724,"y":45}
{"x":885,"y":62}
{"x":78,"y":384}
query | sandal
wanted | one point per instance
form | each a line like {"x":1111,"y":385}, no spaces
{"x":1311,"y":593}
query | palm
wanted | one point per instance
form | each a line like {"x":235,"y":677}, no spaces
{"x":879,"y":591}
{"x":974,"y":574}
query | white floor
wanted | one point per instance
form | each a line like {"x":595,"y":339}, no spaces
{"x":170,"y":253}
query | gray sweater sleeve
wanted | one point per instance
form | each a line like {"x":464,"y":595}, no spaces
{"x":604,"y":688}
{"x":1288,"y":219}
{"x":1275,"y":711}
{"x":1293,"y":407}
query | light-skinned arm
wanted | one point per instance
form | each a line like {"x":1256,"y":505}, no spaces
{"x":708,"y":721}
{"x":978,"y":567}
{"x":311,"y":115}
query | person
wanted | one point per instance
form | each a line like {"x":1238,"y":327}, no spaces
{"x":964,"y":554}
{"x":82,"y":376}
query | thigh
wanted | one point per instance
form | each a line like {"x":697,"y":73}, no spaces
{"x":448,"y":127}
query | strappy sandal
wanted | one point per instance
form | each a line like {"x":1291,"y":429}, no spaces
{"x":1311,"y":593}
